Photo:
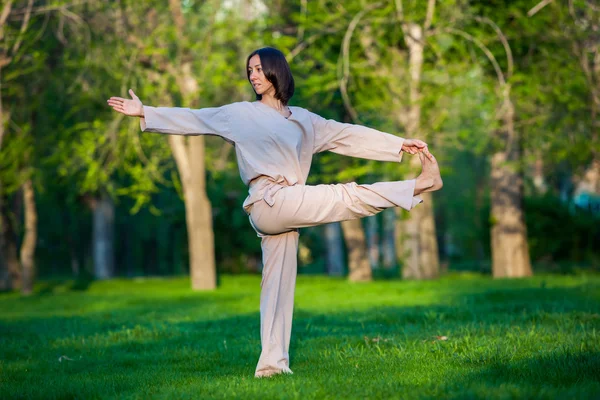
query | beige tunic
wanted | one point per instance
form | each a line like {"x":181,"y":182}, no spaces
{"x":267,"y":143}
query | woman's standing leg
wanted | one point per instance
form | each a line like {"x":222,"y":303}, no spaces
{"x":303,"y":206}
{"x":277,"y":301}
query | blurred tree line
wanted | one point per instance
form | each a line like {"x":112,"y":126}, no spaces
{"x":506,"y":93}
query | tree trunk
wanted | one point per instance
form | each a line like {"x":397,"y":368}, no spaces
{"x":388,"y":245}
{"x":12,"y":261}
{"x":358,"y":261}
{"x":538,"y":178}
{"x":589,"y":59}
{"x":69,"y":223}
{"x":2,"y":116}
{"x":5,"y":281}
{"x":190,"y":163}
{"x":75,"y":268}
{"x":9,"y":251}
{"x":199,"y":219}
{"x":372,"y":237}
{"x":5,"y":277}
{"x":335,"y":251}
{"x":29,"y":239}
{"x":417,"y":245}
{"x":589,"y":183}
{"x":510,"y":252}
{"x":103,"y":235}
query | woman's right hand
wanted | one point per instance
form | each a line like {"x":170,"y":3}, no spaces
{"x":133,"y":107}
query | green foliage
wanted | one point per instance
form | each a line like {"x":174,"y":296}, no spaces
{"x":560,"y":233}
{"x":460,"y":337}
{"x":62,"y":133}
{"x":16,"y":153}
{"x":462,"y":208}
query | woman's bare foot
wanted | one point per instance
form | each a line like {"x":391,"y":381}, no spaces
{"x":430,"y":179}
{"x":269,"y":372}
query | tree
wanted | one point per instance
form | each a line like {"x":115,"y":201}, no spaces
{"x":359,"y":268}
{"x":190,"y":163}
{"x":173,"y":70}
{"x":334,"y":246}
{"x":16,"y":271}
{"x":417,"y":236}
{"x":416,"y":240}
{"x":586,"y":47}
{"x":510,"y":251}
{"x":379,"y":63}
{"x":94,"y":152}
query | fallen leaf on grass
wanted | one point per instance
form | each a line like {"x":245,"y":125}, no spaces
{"x":436,"y":339}
{"x":376,"y":339}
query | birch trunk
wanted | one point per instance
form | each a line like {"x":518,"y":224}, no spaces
{"x":189,"y":158}
{"x":358,"y":261}
{"x":416,"y":239}
{"x":5,"y":282}
{"x":510,"y":252}
{"x":102,"y":239}
{"x":9,"y":250}
{"x":372,"y":237}
{"x":590,"y":181}
{"x":388,"y":245}
{"x":538,"y":178}
{"x":5,"y":276}
{"x":199,"y":219}
{"x":589,"y":59}
{"x":335,"y":251}
{"x":12,"y":260}
{"x":29,"y":239}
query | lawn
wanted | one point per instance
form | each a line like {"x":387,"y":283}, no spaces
{"x":463,"y":336}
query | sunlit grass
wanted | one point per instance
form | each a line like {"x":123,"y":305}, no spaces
{"x":463,"y":336}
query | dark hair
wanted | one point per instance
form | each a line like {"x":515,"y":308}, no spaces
{"x":277,"y":71}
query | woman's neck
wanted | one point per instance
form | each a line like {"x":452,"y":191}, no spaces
{"x":271,"y":101}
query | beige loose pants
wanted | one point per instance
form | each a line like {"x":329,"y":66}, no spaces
{"x":277,"y":218}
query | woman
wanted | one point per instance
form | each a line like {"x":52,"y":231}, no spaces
{"x":274,"y":145}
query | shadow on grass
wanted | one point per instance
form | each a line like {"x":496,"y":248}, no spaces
{"x":570,"y":368}
{"x":49,"y":286}
{"x":77,"y":285}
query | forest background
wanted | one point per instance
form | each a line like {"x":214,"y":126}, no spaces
{"x":506,"y":93}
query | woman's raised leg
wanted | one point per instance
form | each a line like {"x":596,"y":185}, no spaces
{"x":301,"y":206}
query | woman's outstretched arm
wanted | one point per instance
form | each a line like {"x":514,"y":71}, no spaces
{"x":361,"y":141}
{"x":175,"y":120}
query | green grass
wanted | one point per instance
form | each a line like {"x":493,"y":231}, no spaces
{"x":155,"y":338}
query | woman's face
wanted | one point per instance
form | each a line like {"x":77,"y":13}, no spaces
{"x":257,"y":78}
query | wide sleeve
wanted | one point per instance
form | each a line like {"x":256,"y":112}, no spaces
{"x":186,"y":121}
{"x":355,"y":140}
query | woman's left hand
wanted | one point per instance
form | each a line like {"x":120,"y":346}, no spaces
{"x":133,"y":107}
{"x":414,"y":146}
